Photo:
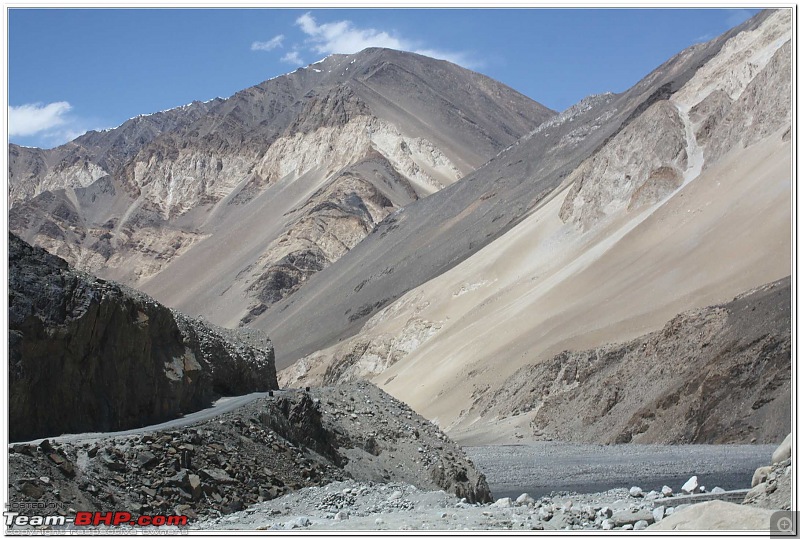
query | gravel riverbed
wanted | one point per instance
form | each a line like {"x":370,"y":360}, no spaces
{"x":539,"y":486}
{"x":539,"y":468}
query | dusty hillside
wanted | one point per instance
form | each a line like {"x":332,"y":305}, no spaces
{"x":90,"y":355}
{"x":247,"y":197}
{"x":675,"y":231}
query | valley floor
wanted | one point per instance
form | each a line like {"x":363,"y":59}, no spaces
{"x":567,"y":485}
{"x":540,"y":468}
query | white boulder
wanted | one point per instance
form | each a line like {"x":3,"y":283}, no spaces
{"x":784,"y":450}
{"x":760,"y":476}
{"x":691,"y":486}
{"x":525,"y":499}
{"x":502,"y":503}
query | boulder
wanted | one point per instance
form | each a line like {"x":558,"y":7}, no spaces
{"x":502,"y":503}
{"x":636,"y":492}
{"x":216,"y":475}
{"x":525,"y":499}
{"x":760,"y":476}
{"x":715,"y":515}
{"x":194,"y":487}
{"x":632,"y":516}
{"x":784,"y":450}
{"x":658,"y":513}
{"x":691,"y":486}
{"x":666,"y":491}
{"x":640,"y":525}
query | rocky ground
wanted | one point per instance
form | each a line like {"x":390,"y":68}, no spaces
{"x":257,"y":469}
{"x":351,"y":505}
{"x":259,"y":452}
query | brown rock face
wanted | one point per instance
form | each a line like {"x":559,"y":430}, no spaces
{"x":91,"y":355}
{"x":715,"y":375}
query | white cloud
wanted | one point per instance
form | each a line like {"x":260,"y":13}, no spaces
{"x":33,"y":118}
{"x":342,"y":37}
{"x":273,"y":43}
{"x":46,"y":126}
{"x":293,"y":58}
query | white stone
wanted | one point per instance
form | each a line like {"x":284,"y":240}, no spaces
{"x":717,"y":490}
{"x":691,"y":486}
{"x":607,"y":524}
{"x":760,"y":476}
{"x":636,"y":492}
{"x":502,"y":503}
{"x":784,"y":450}
{"x":666,"y":491}
{"x":341,"y":515}
{"x":640,"y":525}
{"x":524,"y":499}
{"x":652,"y":495}
{"x":627,"y":527}
{"x":658,"y":513}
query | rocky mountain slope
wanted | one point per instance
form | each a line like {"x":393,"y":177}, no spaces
{"x":91,"y":156}
{"x":264,"y":450}
{"x":87,"y":354}
{"x":580,"y":152}
{"x":640,"y":206}
{"x":716,"y":375}
{"x":265,"y":188}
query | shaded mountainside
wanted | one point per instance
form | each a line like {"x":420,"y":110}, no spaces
{"x":87,"y":354}
{"x":433,"y":235}
{"x":259,"y":452}
{"x":715,"y":375}
{"x":297,"y":170}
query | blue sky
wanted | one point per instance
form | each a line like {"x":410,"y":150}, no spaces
{"x":70,"y":70}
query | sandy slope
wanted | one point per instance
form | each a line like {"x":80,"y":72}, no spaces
{"x":543,"y":287}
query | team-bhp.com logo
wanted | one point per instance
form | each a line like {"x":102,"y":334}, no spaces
{"x":94,"y":518}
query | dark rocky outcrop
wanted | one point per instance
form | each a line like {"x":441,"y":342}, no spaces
{"x":87,"y":354}
{"x":716,"y":375}
{"x":266,"y":448}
